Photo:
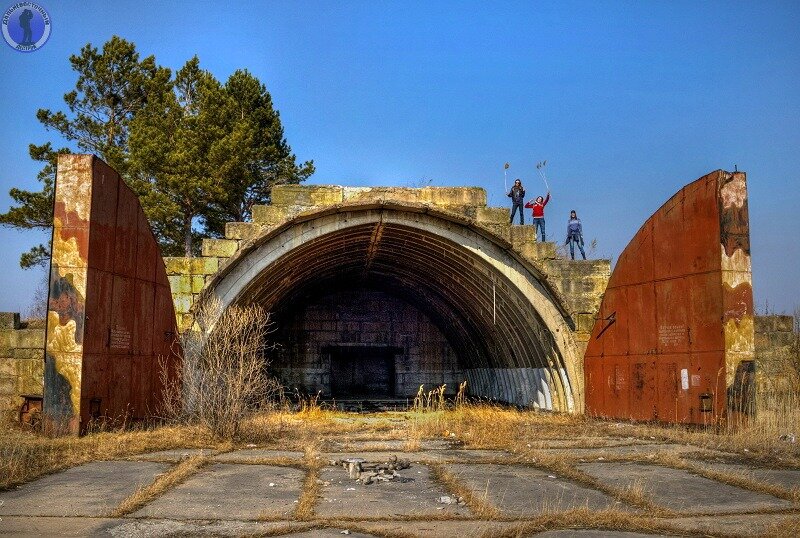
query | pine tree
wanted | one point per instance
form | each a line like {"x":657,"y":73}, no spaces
{"x":252,"y":156}
{"x":112,"y":87}
{"x":171,"y":140}
{"x":34,"y":210}
{"x":199,"y":154}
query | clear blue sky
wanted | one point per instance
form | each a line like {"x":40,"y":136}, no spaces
{"x":627,"y":101}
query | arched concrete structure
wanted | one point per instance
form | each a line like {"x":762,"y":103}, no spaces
{"x":507,"y":323}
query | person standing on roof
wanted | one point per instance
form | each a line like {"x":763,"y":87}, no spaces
{"x":574,"y":234}
{"x":538,"y":213}
{"x":517,"y":195}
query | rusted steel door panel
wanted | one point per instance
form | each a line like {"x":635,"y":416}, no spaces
{"x":109,"y":301}
{"x":681,"y":299}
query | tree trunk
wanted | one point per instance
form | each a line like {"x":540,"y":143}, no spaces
{"x":187,"y":236}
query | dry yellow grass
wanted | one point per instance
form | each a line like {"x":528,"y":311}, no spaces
{"x":788,"y":528}
{"x":174,"y":476}
{"x":309,"y":494}
{"x":25,"y":456}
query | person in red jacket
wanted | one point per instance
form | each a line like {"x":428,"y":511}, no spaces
{"x":538,"y":213}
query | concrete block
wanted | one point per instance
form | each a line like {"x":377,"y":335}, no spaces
{"x":28,"y":339}
{"x":8,"y":385}
{"x":584,"y":322}
{"x":6,"y":342}
{"x":521,"y":235}
{"x":494,"y":215}
{"x":242,"y":230}
{"x":270,"y":215}
{"x":379,"y":194}
{"x":198,"y":282}
{"x":180,"y":284}
{"x":9,"y":320}
{"x":28,"y":353}
{"x":204,"y":265}
{"x":474,"y":196}
{"x":500,"y":230}
{"x":306,"y":195}
{"x":183,"y":302}
{"x":221,"y":248}
{"x":177,"y":266}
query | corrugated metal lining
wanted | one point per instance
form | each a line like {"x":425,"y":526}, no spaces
{"x":491,"y":326}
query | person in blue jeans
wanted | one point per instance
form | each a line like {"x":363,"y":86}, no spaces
{"x":538,"y":214}
{"x":517,"y":195}
{"x":574,"y":234}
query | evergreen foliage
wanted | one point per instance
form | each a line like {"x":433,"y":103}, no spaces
{"x":198,"y":153}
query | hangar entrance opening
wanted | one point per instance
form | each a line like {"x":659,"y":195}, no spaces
{"x":362,"y":372}
{"x":375,"y":300}
{"x":362,"y":343}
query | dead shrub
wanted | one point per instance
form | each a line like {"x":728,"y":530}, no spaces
{"x":224,"y":377}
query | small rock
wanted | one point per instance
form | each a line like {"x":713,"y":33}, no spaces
{"x":600,"y":458}
{"x":551,"y":476}
{"x":346,"y":531}
{"x":272,"y":484}
{"x":447,"y":499}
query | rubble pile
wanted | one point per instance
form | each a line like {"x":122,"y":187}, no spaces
{"x":366,"y":473}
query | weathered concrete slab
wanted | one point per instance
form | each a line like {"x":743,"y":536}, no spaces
{"x":623,"y":450}
{"x":733,"y":525}
{"x":433,"y":456}
{"x":389,"y":444}
{"x":437,"y":529}
{"x":175,"y":455}
{"x":380,"y":456}
{"x":588,"y":442}
{"x":471,"y":455}
{"x":74,"y":526}
{"x":413,"y":494}
{"x":94,"y":489}
{"x":255,"y":454}
{"x":57,"y":526}
{"x":786,"y":478}
{"x":521,"y":490}
{"x":333,"y":532}
{"x":225,"y":491}
{"x":682,"y":491}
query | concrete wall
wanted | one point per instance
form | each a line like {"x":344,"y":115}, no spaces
{"x":777,"y":358}
{"x":21,"y":362}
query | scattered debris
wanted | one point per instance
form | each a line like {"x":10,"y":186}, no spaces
{"x":368,"y":473}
